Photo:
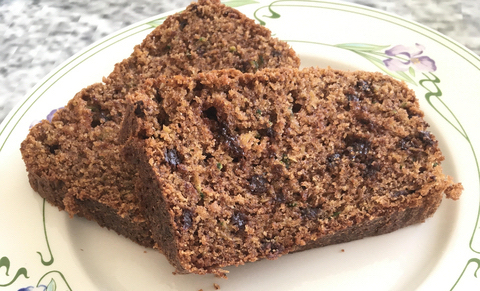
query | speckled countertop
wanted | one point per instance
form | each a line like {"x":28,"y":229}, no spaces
{"x":38,"y":35}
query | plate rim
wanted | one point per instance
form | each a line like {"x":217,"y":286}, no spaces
{"x":8,"y":126}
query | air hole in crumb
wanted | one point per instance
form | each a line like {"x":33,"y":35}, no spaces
{"x":273,"y":117}
{"x":208,"y":156}
{"x":413,"y":112}
{"x":244,"y":66}
{"x":404,"y":192}
{"x":276,"y":54}
{"x":142,"y":134}
{"x":139,"y":112}
{"x":194,"y":8}
{"x":296,"y":108}
{"x":52,"y":148}
{"x":86,"y":98}
{"x":158,"y":97}
{"x":98,"y":118}
{"x":182,"y":24}
{"x":199,"y":87}
{"x":270,"y":132}
{"x":279,"y":197}
{"x":193,"y":103}
{"x":163,"y":118}
{"x":294,"y":94}
{"x":99,"y":115}
{"x":211,"y":113}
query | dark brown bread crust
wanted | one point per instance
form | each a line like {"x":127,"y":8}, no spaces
{"x":378,"y":226}
{"x":239,"y":167}
{"x":74,"y":162}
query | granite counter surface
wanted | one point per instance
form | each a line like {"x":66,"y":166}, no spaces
{"x":38,"y":35}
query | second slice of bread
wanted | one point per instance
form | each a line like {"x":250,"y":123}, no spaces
{"x":74,"y":161}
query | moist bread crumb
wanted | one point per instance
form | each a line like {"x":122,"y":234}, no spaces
{"x":74,"y":161}
{"x":237,"y":167}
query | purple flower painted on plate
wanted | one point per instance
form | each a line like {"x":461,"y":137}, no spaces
{"x":31,"y":288}
{"x":49,"y":117}
{"x":415,"y":59}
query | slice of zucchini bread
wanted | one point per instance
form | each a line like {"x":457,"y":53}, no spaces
{"x":238,"y":167}
{"x":74,"y":161}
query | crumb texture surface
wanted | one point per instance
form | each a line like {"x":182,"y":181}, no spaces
{"x":237,"y":167}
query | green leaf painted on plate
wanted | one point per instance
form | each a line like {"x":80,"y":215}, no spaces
{"x":52,"y":286}
{"x":5,"y":262}
{"x":371,"y":52}
{"x":238,"y":3}
{"x":49,"y":262}
{"x":274,"y":15}
{"x":412,"y":71}
{"x":156,"y":22}
{"x":472,"y":260}
{"x":363,"y":47}
{"x":430,"y":83}
{"x":406,"y":77}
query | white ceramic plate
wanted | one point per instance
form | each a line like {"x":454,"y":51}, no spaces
{"x":43,"y":248}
